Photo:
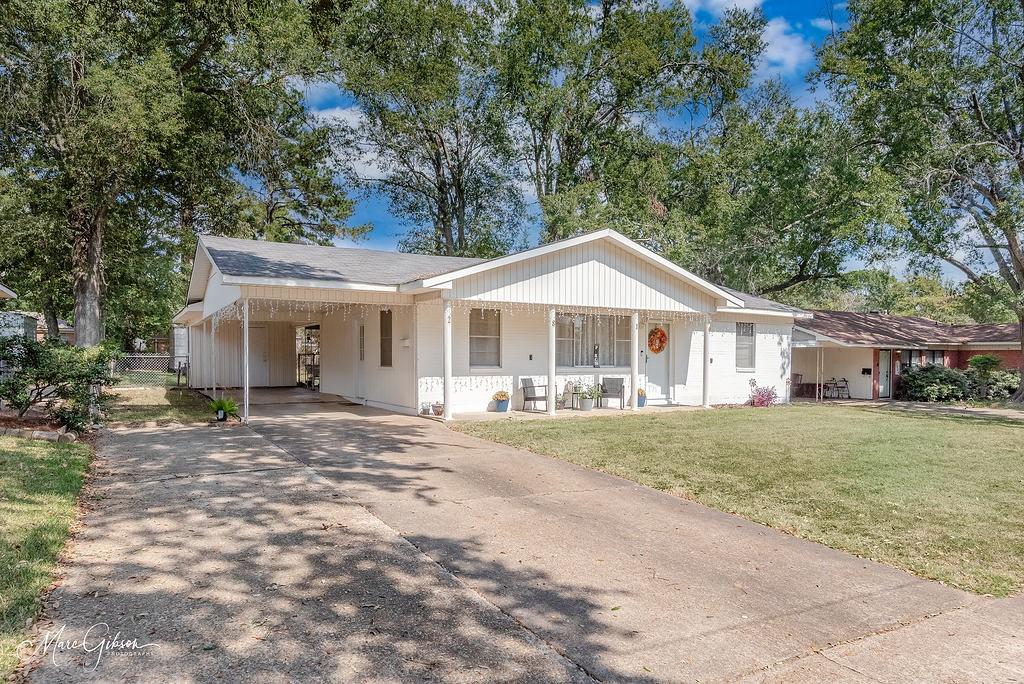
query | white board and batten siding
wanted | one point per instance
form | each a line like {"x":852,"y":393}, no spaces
{"x":595,"y":274}
{"x":280,"y":354}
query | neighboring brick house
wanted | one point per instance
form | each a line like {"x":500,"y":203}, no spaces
{"x":869,"y":350}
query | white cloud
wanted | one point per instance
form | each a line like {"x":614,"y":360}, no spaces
{"x":823,"y":23}
{"x":361,"y":161}
{"x":350,"y":116}
{"x":786,"y":51}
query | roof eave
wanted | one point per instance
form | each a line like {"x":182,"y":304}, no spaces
{"x":310,"y":283}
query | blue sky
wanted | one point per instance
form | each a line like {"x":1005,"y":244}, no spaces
{"x":795,"y":30}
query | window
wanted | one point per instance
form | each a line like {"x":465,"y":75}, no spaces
{"x":484,"y":338}
{"x":745,"y":346}
{"x":362,"y":342}
{"x":385,"y":339}
{"x":935,"y":356}
{"x":908,"y":358}
{"x":591,"y":341}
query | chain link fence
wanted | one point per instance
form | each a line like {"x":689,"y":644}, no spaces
{"x":148,"y":370}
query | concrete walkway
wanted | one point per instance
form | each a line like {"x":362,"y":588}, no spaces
{"x":369,"y":546}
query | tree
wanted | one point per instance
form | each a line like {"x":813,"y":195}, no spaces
{"x":125,"y":122}
{"x":583,"y":82}
{"x":938,"y":88}
{"x":423,"y":78}
{"x":773,"y":197}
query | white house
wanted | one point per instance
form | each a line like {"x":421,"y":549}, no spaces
{"x":403,"y":331}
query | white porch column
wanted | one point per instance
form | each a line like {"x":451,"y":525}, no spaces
{"x":706,"y":389}
{"x":446,"y":346}
{"x":552,"y":361}
{"x":634,"y":361}
{"x":207,"y":373}
{"x":245,"y":360}
{"x":213,"y":355}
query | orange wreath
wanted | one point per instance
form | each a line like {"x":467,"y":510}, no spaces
{"x":657,"y":339}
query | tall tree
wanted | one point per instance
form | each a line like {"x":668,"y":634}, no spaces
{"x":773,"y":196}
{"x":584,"y":82}
{"x":422,"y":76}
{"x":938,"y":87}
{"x":114,"y":111}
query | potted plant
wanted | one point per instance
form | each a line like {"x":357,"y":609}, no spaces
{"x":500,"y":401}
{"x":223,"y":408}
{"x":641,"y":398}
{"x":438,"y":408}
{"x":589,"y":396}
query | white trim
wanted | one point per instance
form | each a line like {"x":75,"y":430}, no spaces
{"x":7,"y":292}
{"x":819,"y":336}
{"x":321,"y":284}
{"x":606,"y":233}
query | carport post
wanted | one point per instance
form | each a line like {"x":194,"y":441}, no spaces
{"x":446,"y":351}
{"x":245,"y":360}
{"x":213,"y":355}
{"x":634,"y":361}
{"x":549,"y":404}
{"x":706,"y":384}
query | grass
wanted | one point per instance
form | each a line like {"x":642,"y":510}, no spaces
{"x":39,"y":484}
{"x":157,"y":404}
{"x":939,"y":496}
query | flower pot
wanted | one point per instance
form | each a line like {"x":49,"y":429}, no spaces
{"x":221,"y":415}
{"x":501,"y":405}
{"x":438,"y":409}
{"x":641,"y":401}
{"x":586,"y":404}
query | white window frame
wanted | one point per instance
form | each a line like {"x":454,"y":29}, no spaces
{"x":577,"y":352}
{"x":478,"y":313}
{"x":753,"y":347}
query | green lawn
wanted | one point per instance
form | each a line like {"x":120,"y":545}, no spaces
{"x":39,"y":483}
{"x":159,"y":404}
{"x":940,"y":496}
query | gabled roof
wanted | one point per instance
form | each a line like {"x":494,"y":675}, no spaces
{"x":6,"y":292}
{"x":260,"y":262}
{"x":262,"y":259}
{"x":606,"y":234}
{"x":886,"y":330}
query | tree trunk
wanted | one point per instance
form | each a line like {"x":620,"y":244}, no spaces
{"x":52,"y":324}
{"x":1019,"y":394}
{"x":87,"y":270}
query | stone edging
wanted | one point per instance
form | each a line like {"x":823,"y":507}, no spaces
{"x":48,"y":435}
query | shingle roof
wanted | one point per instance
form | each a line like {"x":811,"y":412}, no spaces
{"x":262,"y":259}
{"x":755,"y":302}
{"x":877,"y":329}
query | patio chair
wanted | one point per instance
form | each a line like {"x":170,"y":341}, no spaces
{"x":842,"y":389}
{"x":533,"y":393}
{"x":613,"y":388}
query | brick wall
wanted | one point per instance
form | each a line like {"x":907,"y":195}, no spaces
{"x":1011,"y":357}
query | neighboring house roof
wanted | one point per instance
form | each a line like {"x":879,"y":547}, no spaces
{"x":886,"y":330}
{"x":63,"y":325}
{"x":6,"y":292}
{"x":262,"y":259}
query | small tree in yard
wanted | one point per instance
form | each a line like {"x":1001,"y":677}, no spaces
{"x":55,"y":375}
{"x":984,"y":365}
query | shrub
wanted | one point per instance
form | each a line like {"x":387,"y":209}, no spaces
{"x":762,"y":396}
{"x":55,"y":375}
{"x":932,"y":383}
{"x":998,"y":385}
{"x":227,"y":405}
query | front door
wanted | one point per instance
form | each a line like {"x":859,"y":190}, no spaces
{"x":884,"y":374}
{"x":258,"y":373}
{"x":657,"y":370}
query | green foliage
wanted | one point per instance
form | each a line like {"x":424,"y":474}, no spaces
{"x":985,"y":364}
{"x":932,"y":383}
{"x":592,"y":392}
{"x":935,"y":89}
{"x":994,"y":385}
{"x":55,"y":375}
{"x":225,"y":404}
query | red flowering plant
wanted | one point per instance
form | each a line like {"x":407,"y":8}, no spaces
{"x":762,"y":396}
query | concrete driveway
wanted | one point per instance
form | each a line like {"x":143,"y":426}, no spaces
{"x":345,"y":544}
